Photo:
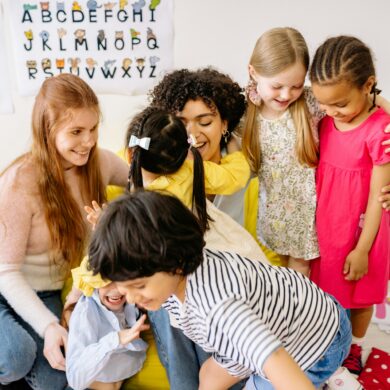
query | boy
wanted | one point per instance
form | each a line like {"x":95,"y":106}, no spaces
{"x":104,"y":347}
{"x":257,"y":320}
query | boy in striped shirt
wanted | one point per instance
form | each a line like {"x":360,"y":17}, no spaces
{"x":267,"y":323}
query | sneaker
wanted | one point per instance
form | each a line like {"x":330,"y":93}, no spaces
{"x":343,"y":380}
{"x":353,"y":362}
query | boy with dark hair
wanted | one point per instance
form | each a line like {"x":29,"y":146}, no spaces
{"x":257,"y":320}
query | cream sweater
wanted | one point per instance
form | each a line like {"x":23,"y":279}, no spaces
{"x":25,"y":239}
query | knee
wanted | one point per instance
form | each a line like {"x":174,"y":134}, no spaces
{"x":17,"y":359}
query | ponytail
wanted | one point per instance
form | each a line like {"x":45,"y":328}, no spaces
{"x":135,"y":171}
{"x":198,"y":191}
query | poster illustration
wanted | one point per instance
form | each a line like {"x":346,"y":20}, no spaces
{"x":118,"y":47}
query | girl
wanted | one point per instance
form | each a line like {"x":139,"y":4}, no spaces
{"x":42,"y":230}
{"x":162,"y":163}
{"x":281,"y":146}
{"x":353,"y":235}
{"x":253,"y":317}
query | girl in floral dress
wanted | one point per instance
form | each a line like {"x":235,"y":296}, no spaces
{"x":280,"y":142}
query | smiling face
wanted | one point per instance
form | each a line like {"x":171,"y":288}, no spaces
{"x":206,"y":125}
{"x":76,"y":137}
{"x":111,"y":298}
{"x":280,"y":91}
{"x":152,"y":291}
{"x":344,"y":102}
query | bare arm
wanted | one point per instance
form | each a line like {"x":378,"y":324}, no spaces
{"x":213,"y":376}
{"x":356,"y":263}
{"x":292,"y":378}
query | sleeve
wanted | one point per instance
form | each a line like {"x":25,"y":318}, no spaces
{"x":86,"y":354}
{"x":15,"y":224}
{"x":374,"y":144}
{"x":229,"y":176}
{"x":316,"y":114}
{"x":115,"y":170}
{"x":240,"y":338}
{"x":84,"y":279}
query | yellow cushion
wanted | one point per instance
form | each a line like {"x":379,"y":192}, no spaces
{"x":251,"y":201}
{"x":153,"y":375}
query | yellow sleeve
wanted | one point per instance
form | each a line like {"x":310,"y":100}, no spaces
{"x":229,"y":176}
{"x":85,"y":281}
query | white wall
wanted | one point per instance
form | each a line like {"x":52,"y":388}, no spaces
{"x":222,"y":33}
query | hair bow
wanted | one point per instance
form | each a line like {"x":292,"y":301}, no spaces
{"x":141,"y":142}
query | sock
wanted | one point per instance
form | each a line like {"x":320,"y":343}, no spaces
{"x":358,"y":340}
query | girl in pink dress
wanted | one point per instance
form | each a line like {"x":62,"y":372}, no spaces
{"x":353,"y":229}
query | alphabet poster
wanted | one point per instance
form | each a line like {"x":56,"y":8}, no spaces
{"x":118,"y":47}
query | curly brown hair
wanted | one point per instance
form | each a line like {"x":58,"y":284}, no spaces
{"x":215,"y":89}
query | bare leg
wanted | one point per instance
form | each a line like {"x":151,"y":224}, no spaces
{"x":360,"y":320}
{"x":105,"y":386}
{"x":300,"y":265}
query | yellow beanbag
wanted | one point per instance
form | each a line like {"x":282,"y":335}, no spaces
{"x":251,"y":201}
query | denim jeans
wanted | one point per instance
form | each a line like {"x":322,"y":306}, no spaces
{"x":181,"y":357}
{"x":21,"y":348}
{"x":324,"y":368}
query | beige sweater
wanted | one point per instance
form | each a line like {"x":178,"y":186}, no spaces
{"x":25,"y":239}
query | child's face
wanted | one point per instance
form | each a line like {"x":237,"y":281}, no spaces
{"x":111,"y":298}
{"x":342,"y":101}
{"x":76,"y":137}
{"x":280,"y":91}
{"x":152,"y":291}
{"x":206,"y":126}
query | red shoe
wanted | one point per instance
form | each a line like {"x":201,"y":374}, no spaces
{"x":353,"y":362}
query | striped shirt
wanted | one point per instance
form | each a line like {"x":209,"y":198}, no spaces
{"x":242,"y":311}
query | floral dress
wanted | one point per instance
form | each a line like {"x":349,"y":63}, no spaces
{"x":287,"y":193}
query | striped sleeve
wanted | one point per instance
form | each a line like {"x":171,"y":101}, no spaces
{"x":242,"y":340}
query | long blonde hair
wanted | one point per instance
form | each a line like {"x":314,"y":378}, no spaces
{"x":275,"y":51}
{"x":53,"y":104}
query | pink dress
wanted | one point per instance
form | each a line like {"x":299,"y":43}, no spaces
{"x":343,"y":183}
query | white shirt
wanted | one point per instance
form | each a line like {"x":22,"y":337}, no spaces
{"x":242,"y":311}
{"x":94,"y":352}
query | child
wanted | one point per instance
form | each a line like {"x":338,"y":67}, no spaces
{"x":281,"y":145}
{"x":103,"y":346}
{"x":42,"y":231}
{"x":256,"y":319}
{"x":353,"y":230}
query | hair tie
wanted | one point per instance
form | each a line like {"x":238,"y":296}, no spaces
{"x":191,"y":140}
{"x":251,"y":92}
{"x":141,"y":142}
{"x":375,"y":91}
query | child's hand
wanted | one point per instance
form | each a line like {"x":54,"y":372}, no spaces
{"x":385,"y":198}
{"x":356,"y":264}
{"x":126,"y":336}
{"x":94,"y":213}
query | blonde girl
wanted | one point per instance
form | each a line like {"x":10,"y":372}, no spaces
{"x":280,"y":143}
{"x":42,"y":229}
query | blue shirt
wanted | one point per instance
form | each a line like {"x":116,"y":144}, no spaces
{"x":94,"y":352}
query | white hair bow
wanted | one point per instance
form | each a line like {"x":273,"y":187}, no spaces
{"x":141,"y":142}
